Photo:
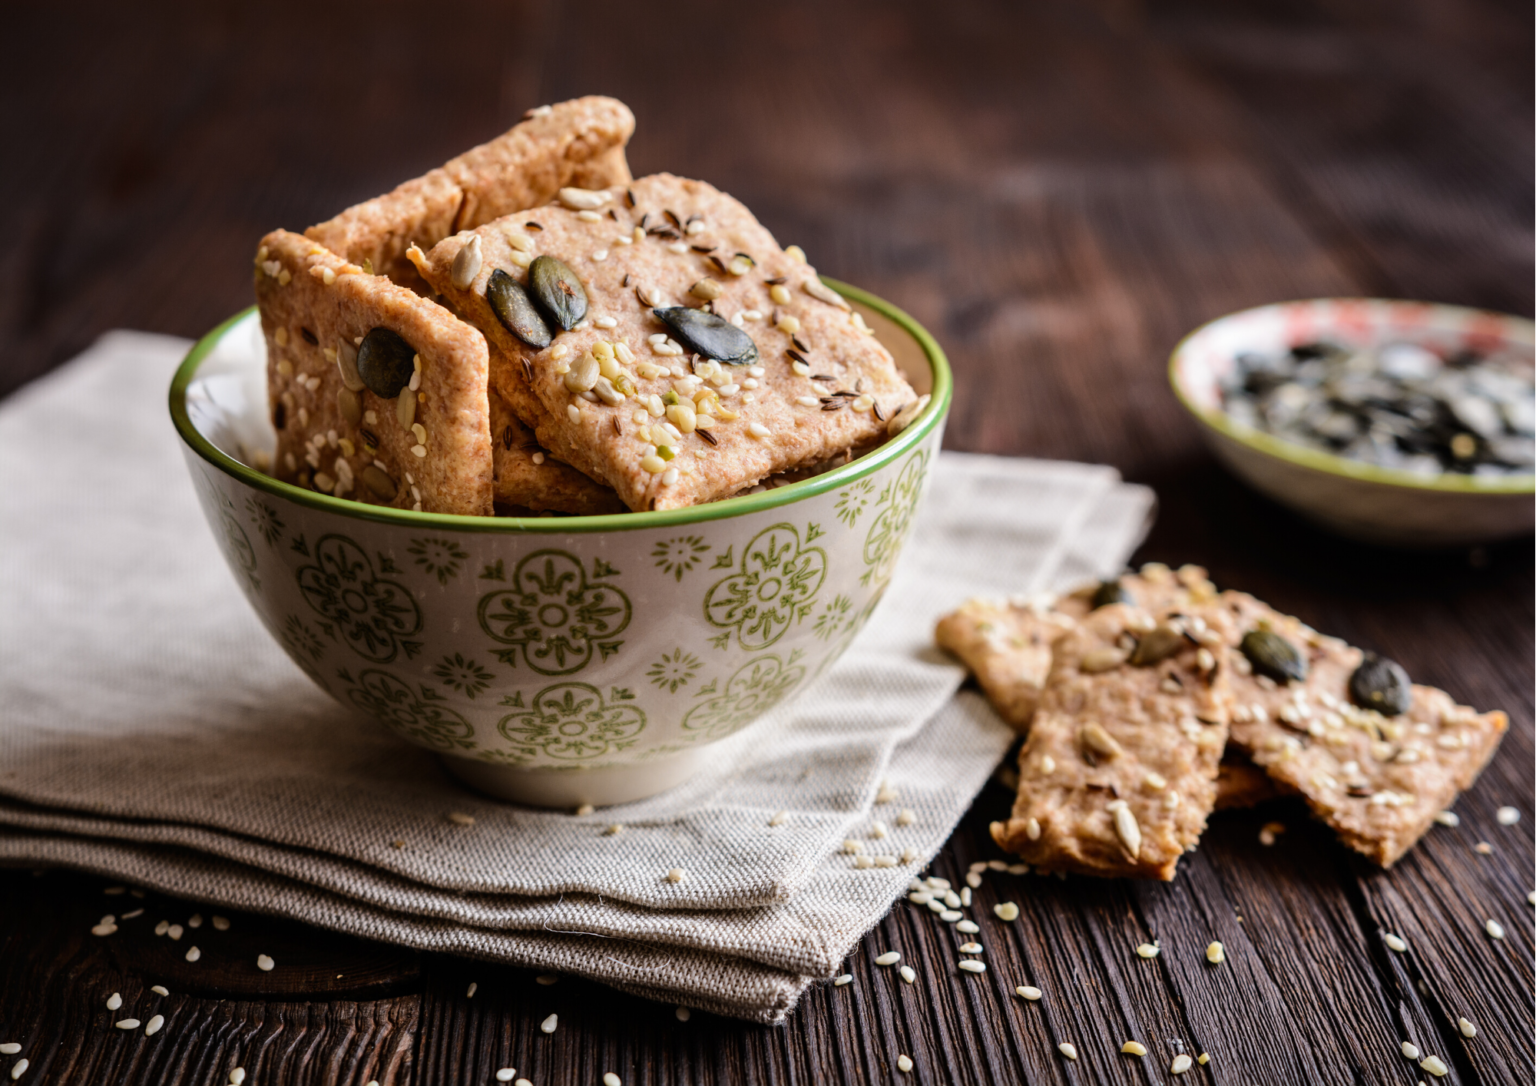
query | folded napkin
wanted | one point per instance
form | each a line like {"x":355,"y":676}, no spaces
{"x":155,"y":733}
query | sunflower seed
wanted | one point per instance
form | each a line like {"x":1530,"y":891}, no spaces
{"x":1128,"y":830}
{"x":823,"y":293}
{"x":466,"y":264}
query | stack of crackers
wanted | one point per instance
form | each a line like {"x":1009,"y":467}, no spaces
{"x":1148,"y":701}
{"x":529,"y":328}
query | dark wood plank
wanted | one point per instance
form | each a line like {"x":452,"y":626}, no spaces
{"x":1059,"y":192}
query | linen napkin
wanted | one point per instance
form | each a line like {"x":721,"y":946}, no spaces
{"x":155,"y":733}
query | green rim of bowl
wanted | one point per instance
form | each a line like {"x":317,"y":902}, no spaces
{"x":1301,"y":456}
{"x":913,"y":435}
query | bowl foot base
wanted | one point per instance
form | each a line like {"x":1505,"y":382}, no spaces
{"x":601,"y":787}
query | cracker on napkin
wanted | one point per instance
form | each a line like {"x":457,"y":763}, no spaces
{"x":1377,"y":778}
{"x":636,"y":403}
{"x":428,"y":447}
{"x":1118,"y":773}
{"x":580,"y":142}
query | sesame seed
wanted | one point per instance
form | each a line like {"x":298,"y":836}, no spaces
{"x":908,"y":974}
{"x":949,"y":916}
{"x":162,"y":927}
{"x":779,"y":818}
{"x":683,"y":1013}
{"x":1531,"y":897}
{"x":138,"y":912}
{"x":904,"y":1062}
{"x":195,"y":922}
{"x":1215,"y":953}
{"x":469,"y":993}
{"x":906,"y":817}
{"x":890,"y":957}
{"x":973,"y":880}
{"x":846,"y":978}
{"x":174,"y":931}
{"x":160,"y":990}
{"x":1181,"y":1063}
{"x":1410,"y":1050}
{"x":127,"y":1023}
{"x":936,"y":905}
{"x":1508,"y":816}
{"x":1203,"y":1059}
{"x":758,"y":430}
{"x":1395,"y":942}
{"x":1466,"y":1027}
{"x":1067,"y":1049}
{"x":938,"y":883}
{"x":968,"y":927}
{"x":546,"y":979}
{"x":1149,"y":950}
{"x":920,"y":897}
{"x":237,"y":1076}
{"x":611,"y":1079}
{"x":1483,"y":848}
{"x":152,"y":1027}
{"x":971,"y":965}
{"x":965,"y":896}
{"x":220,"y":923}
{"x":20,"y":1068}
{"x":1494,"y":929}
{"x":614,"y":830}
{"x":264,"y":963}
{"x":952,"y":899}
{"x":1006,"y":911}
{"x":114,"y":1001}
{"x":1029,"y":992}
{"x":549,"y":1024}
{"x":1134,"y":1048}
{"x":909,"y":856}
{"x":1435,"y":1066}
{"x":970,"y":948}
{"x":10,"y":1048}
{"x":193,"y":954}
{"x":506,"y":1074}
{"x":677,"y":874}
{"x":1448,"y":818}
{"x":669,"y":477}
{"x":459,"y":818}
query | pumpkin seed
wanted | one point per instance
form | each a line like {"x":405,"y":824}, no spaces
{"x":1157,"y":645}
{"x":515,"y":310}
{"x":1274,"y":656}
{"x":466,"y":264}
{"x":711,"y":336}
{"x":557,"y":291}
{"x":1111,"y":592}
{"x":385,"y":362}
{"x":1381,"y":684}
{"x":380,"y":483}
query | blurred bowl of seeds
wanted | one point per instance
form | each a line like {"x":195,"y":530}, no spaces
{"x":1400,"y":423}
{"x":557,"y":661}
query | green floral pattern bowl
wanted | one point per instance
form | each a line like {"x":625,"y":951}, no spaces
{"x":559,"y":660}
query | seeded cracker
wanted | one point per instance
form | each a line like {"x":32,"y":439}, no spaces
{"x":1377,"y":780}
{"x":524,"y":483}
{"x":696,"y":247}
{"x":346,"y":440}
{"x":1118,"y":774}
{"x":580,"y":142}
{"x":1007,"y":646}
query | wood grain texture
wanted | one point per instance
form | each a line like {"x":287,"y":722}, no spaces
{"x":1059,"y":191}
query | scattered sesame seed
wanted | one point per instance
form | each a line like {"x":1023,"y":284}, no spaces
{"x":936,"y":905}
{"x":1531,"y":897}
{"x":846,"y":978}
{"x":193,"y":954}
{"x":919,"y":897}
{"x":103,"y":929}
{"x":1410,"y":1050}
{"x":938,"y":883}
{"x":909,"y":855}
{"x":1508,"y":816}
{"x":1435,"y":1066}
{"x":952,"y":899}
{"x":1149,"y":950}
{"x":584,"y":809}
{"x":10,"y":1048}
{"x":969,"y":927}
{"x":152,"y":1027}
{"x":758,"y":430}
{"x":195,"y":922}
{"x":970,"y":948}
{"x":949,"y":916}
{"x":1134,"y":1048}
{"x":1494,"y":929}
{"x":546,"y":979}
{"x":1203,"y":1059}
{"x":160,"y":990}
{"x":1466,"y":1027}
{"x":890,"y":957}
{"x":127,"y":1023}
{"x":506,"y":1074}
{"x":1006,"y":911}
{"x":549,"y":1024}
{"x":1483,"y":848}
{"x":908,"y":974}
{"x":1029,"y":992}
{"x":474,"y":986}
{"x":174,"y":931}
{"x":237,"y":1076}
{"x":220,"y":923}
{"x":973,"y":880}
{"x":611,"y":1079}
{"x":1067,"y":1049}
{"x":114,"y":1001}
{"x":1181,"y":1063}
{"x":971,"y":965}
{"x":683,"y":1013}
{"x":264,"y":963}
{"x":20,"y":1068}
{"x":459,"y":818}
{"x":1395,"y":942}
{"x":779,"y":818}
{"x":965,"y":897}
{"x":677,"y":874}
{"x":1215,"y":953}
{"x":136,"y":913}
{"x":1448,"y":818}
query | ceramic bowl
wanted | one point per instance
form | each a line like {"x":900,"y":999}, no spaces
{"x":562,"y":660}
{"x":1354,"y":499}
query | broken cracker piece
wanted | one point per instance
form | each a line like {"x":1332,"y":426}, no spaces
{"x":1377,"y":780}
{"x":334,"y":435}
{"x":577,"y":143}
{"x":1118,"y":774}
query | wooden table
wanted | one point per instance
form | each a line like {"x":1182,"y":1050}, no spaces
{"x":1058,"y":191}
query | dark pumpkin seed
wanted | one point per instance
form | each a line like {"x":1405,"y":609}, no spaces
{"x":557,"y":291}
{"x":709,"y":335}
{"x":1157,"y":645}
{"x":515,"y":310}
{"x":1381,"y":684}
{"x":1110,"y":592}
{"x":385,"y":362}
{"x":383,"y":487}
{"x":1274,"y":656}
